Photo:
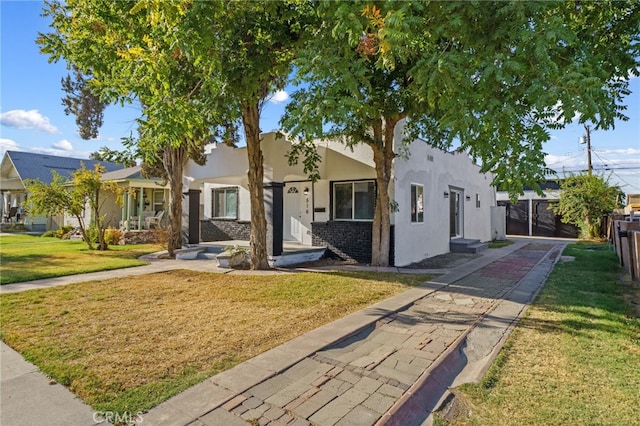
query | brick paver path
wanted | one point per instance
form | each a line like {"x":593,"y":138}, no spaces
{"x":357,"y":380}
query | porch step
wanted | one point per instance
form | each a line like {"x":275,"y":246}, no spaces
{"x":289,"y":258}
{"x":464,"y":245}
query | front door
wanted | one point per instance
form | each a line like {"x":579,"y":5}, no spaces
{"x":297,"y":213}
{"x":455,"y":213}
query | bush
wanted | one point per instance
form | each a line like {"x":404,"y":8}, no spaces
{"x":112,"y":236}
{"x":64,"y":230}
{"x":61,"y":232}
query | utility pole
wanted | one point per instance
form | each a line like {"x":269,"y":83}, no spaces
{"x":587,"y":139}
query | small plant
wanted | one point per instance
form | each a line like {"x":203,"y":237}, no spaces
{"x":235,"y":250}
{"x":58,"y":233}
{"x":112,"y":236}
{"x":233,"y":257}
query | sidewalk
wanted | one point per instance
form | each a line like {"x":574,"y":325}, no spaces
{"x":387,"y":364}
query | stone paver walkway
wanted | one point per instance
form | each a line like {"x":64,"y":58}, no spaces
{"x":370,"y":374}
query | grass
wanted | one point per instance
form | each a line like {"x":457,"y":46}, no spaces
{"x":573,"y":359}
{"x":495,"y":244}
{"x":29,"y":257}
{"x":129,"y":344}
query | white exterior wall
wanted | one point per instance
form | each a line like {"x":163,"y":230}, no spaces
{"x":244,"y":201}
{"x":438,"y":171}
{"x":321,"y":191}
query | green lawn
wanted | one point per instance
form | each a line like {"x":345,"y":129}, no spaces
{"x":28,"y":257}
{"x":574,"y":358}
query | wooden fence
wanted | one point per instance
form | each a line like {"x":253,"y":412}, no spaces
{"x":626,"y":240}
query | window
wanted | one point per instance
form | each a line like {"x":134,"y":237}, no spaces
{"x":417,"y":203}
{"x":477,"y":201}
{"x":225,"y":203}
{"x":354,"y":200}
{"x":158,"y":200}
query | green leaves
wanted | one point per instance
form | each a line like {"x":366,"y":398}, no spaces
{"x":584,"y":200}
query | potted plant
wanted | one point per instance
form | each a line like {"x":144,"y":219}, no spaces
{"x":233,"y":257}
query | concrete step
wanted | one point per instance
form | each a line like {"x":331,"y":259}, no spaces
{"x":465,"y":245}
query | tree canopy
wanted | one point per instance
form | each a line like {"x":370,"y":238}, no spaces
{"x":198,"y":69}
{"x":585,"y":199}
{"x":71,"y":196}
{"x":489,"y":78}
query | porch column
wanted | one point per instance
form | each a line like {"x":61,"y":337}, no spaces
{"x":193,"y":201}
{"x":273,"y":199}
{"x":129,"y":202}
{"x":140,"y":208}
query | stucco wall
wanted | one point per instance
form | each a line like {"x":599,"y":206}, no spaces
{"x":438,"y":172}
{"x":244,"y":201}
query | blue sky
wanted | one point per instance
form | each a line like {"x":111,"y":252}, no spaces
{"x":32,"y":117}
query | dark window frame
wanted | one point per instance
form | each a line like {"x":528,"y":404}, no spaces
{"x":417,"y":211}
{"x":333,"y":200}
{"x":214,"y":198}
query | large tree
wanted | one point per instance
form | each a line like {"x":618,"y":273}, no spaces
{"x":81,"y":102}
{"x":493,"y":77}
{"x":249,"y":46}
{"x":194,"y":67}
{"x":134,"y":53}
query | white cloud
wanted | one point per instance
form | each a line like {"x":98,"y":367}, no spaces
{"x":279,"y":97}
{"x":7,"y":145}
{"x":622,"y":151}
{"x":63,"y":145}
{"x":31,"y":119}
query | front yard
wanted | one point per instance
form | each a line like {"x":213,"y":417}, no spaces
{"x":129,"y":344}
{"x":29,"y":257}
{"x":574,"y":358}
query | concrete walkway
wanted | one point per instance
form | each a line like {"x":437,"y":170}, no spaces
{"x":390,"y":363}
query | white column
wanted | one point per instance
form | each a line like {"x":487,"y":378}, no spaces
{"x":140,"y":208}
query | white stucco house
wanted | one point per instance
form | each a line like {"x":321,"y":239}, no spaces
{"x":440,"y":196}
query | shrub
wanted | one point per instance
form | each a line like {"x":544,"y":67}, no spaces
{"x":112,"y":236}
{"x":61,"y":232}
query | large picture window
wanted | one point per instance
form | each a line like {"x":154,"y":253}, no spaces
{"x":417,"y":204}
{"x":225,"y":203}
{"x":354,"y":200}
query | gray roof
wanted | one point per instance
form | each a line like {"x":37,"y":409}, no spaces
{"x":130,"y":173}
{"x":39,"y":166}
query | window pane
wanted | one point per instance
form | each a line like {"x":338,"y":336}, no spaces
{"x":417,"y":204}
{"x":343,"y":200}
{"x":231,"y":203}
{"x":364,"y":200}
{"x":218,"y":203}
{"x":414,"y":205}
{"x":420,"y":204}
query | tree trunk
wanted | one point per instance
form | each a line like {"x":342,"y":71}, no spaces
{"x":258,"y":239}
{"x":383,"y":157}
{"x":102,"y":243}
{"x":174,"y":159}
{"x":83,"y":231}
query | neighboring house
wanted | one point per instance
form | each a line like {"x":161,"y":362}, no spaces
{"x":532,"y":216}
{"x":144,"y":200}
{"x":18,"y":166}
{"x":440,"y":196}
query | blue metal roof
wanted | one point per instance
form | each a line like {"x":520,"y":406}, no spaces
{"x":39,"y":166}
